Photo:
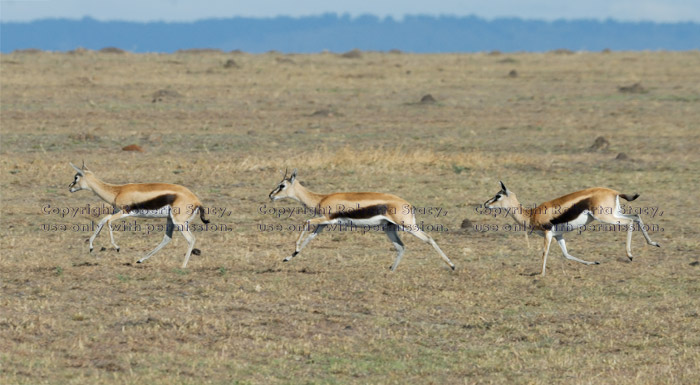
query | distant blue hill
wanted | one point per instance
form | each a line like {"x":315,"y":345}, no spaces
{"x":420,"y":34}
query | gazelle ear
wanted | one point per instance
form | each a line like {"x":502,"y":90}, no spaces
{"x":77,"y":169}
{"x":504,"y":188}
{"x":294,"y":175}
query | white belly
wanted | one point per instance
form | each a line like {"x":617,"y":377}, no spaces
{"x":372,"y":221}
{"x":581,"y":221}
{"x":159,"y":213}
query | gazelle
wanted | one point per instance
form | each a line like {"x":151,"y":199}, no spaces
{"x":388,"y":211}
{"x":554,"y":218}
{"x":144,"y":200}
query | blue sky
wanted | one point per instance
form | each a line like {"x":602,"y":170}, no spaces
{"x":191,"y":10}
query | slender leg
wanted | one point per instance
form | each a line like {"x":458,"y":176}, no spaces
{"x":547,"y":243}
{"x":320,"y":223}
{"x":638,"y":219}
{"x":562,"y":244}
{"x":628,"y":247}
{"x":98,"y":229}
{"x":166,"y":239}
{"x":391,"y":232}
{"x":113,"y":218}
{"x":630,"y":220}
{"x":428,"y":239}
{"x":190,"y":241}
{"x":527,"y":239}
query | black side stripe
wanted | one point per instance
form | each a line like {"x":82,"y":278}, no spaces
{"x":362,"y":213}
{"x":152,"y":204}
{"x":571,"y":213}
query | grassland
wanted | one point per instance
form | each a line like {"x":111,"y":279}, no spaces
{"x":335,"y":314}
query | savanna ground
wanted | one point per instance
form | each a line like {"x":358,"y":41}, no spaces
{"x":335,"y":314}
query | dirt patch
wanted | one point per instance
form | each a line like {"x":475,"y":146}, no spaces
{"x":324,"y":113}
{"x":79,"y":51}
{"x":197,"y":51}
{"x":513,"y":74}
{"x":164,"y":94}
{"x":562,"y":51}
{"x":230,"y":63}
{"x":133,"y":147}
{"x":112,"y":50}
{"x":284,"y":60}
{"x":599,"y":144}
{"x":427,"y":99}
{"x":622,"y":156}
{"x":635,"y":88}
{"x":84,"y":136}
{"x":354,"y":54}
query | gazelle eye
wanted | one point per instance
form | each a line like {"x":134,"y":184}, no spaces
{"x":281,"y":186}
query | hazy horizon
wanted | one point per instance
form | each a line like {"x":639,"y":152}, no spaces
{"x":420,"y":34}
{"x":660,"y":11}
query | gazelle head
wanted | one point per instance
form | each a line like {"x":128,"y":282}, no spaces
{"x":504,"y":198}
{"x":79,"y":181}
{"x":285,"y":188}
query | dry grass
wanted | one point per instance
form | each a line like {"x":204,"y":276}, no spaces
{"x":335,"y":314}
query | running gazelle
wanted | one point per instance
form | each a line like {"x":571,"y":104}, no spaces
{"x":354,"y":209}
{"x":554,"y":218}
{"x":144,"y":200}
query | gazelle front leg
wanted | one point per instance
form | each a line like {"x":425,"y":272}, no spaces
{"x":113,"y":218}
{"x":98,"y":229}
{"x":320,"y":225}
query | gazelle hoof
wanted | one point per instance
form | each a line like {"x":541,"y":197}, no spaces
{"x":596,"y":263}
{"x":103,"y":248}
{"x":117,"y":249}
{"x":453,"y":267}
{"x":656,"y":244}
{"x":91,"y":249}
{"x":139,"y":261}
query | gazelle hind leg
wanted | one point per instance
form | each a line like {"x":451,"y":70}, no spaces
{"x":190,"y":242}
{"x":391,"y":232}
{"x":638,"y":219}
{"x":631,"y":219}
{"x":320,"y":223}
{"x":545,"y":253}
{"x":562,"y":245}
{"x":428,"y":239}
{"x":166,"y":239}
{"x":318,"y":230}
